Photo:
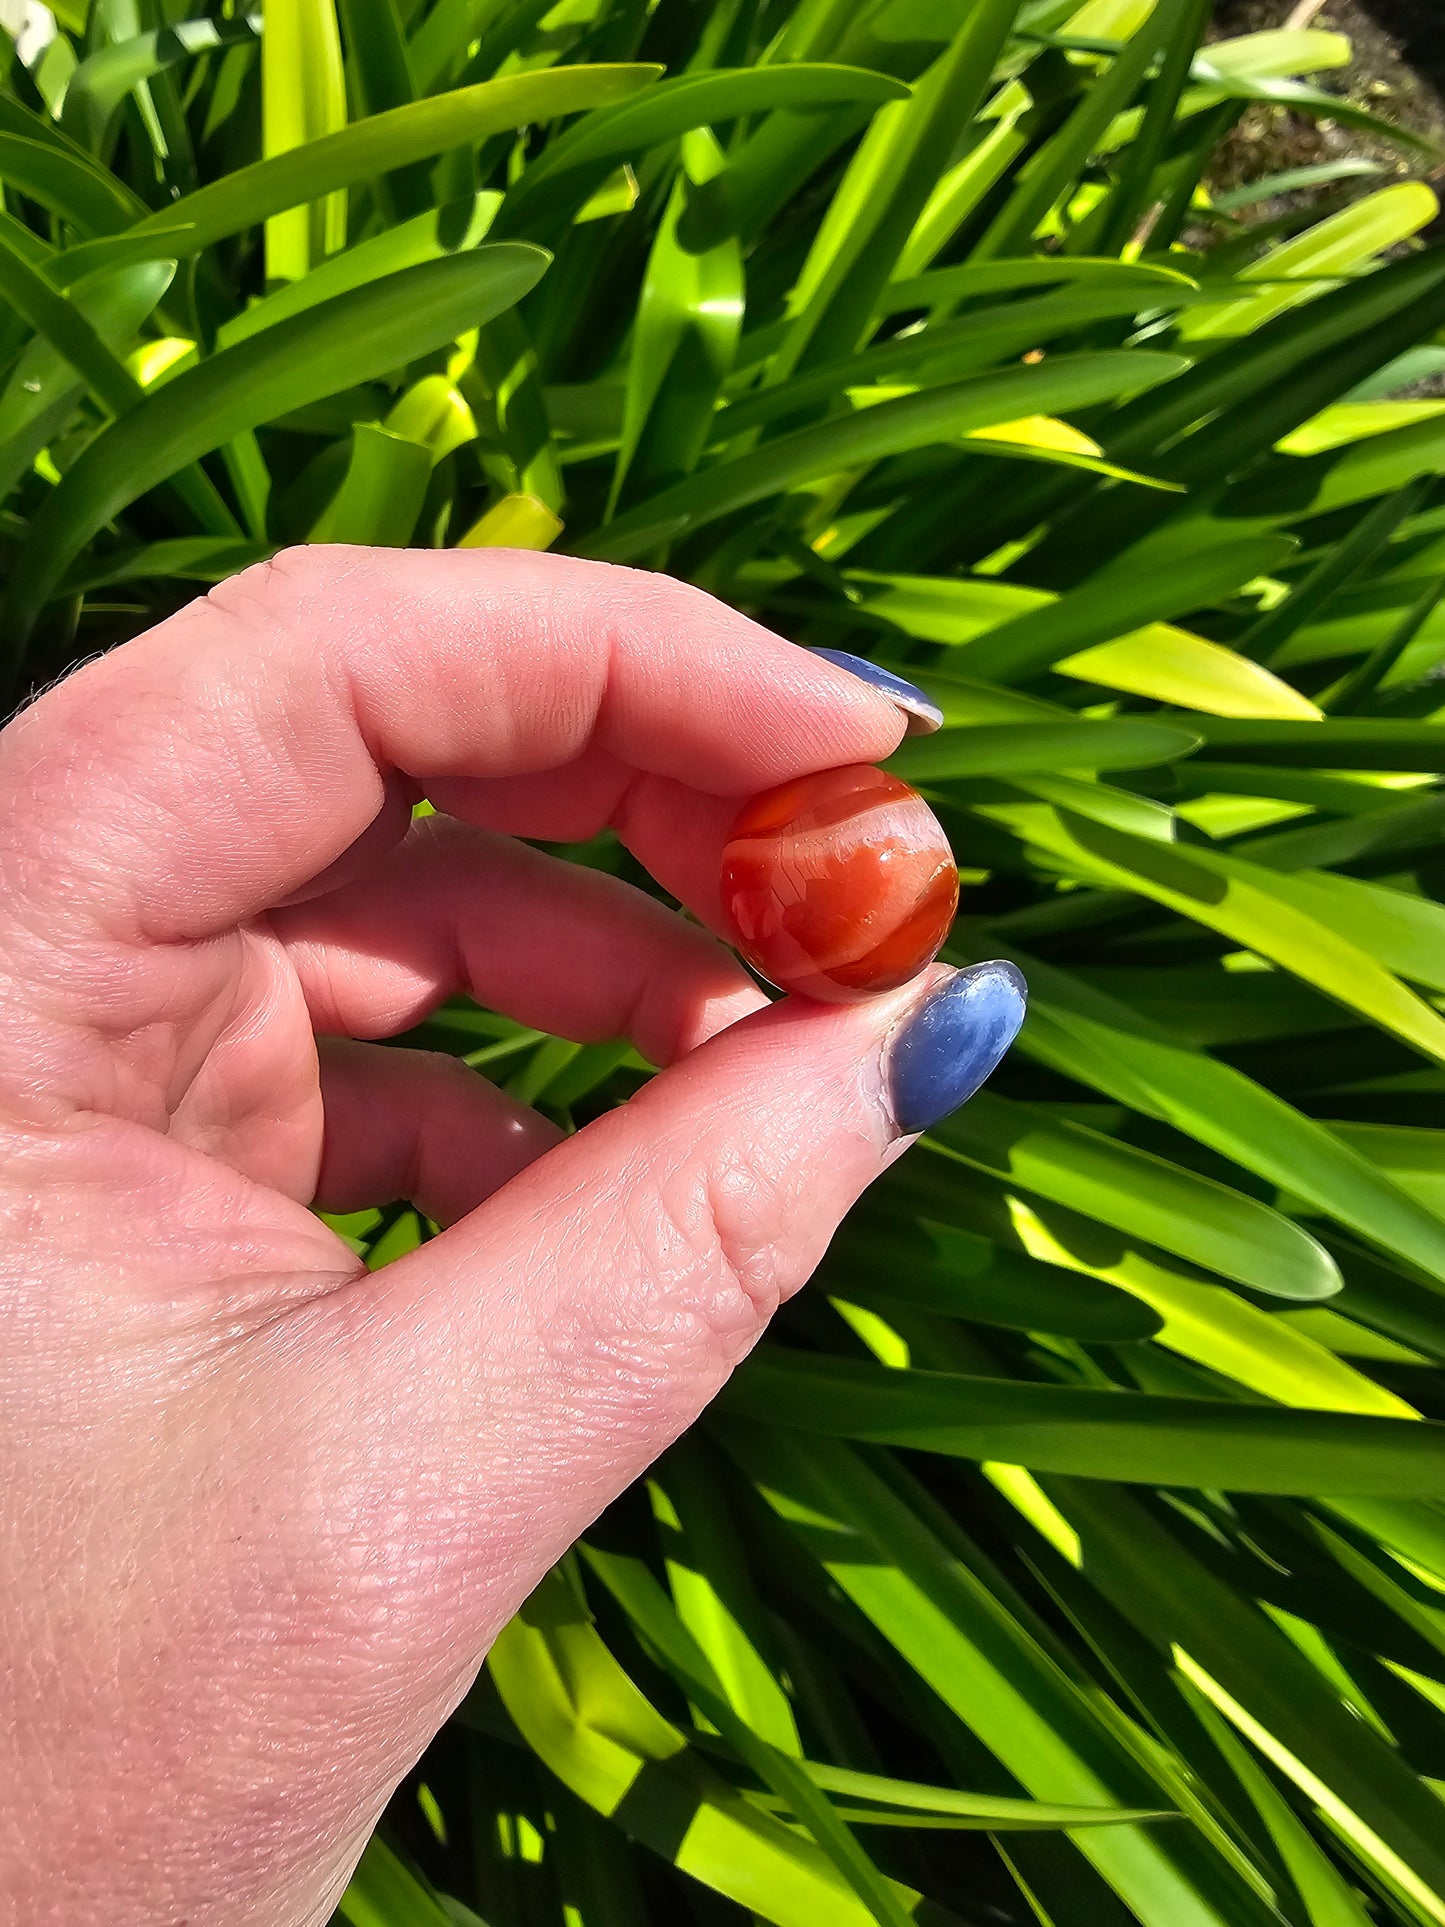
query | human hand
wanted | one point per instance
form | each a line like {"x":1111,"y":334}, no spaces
{"x":264,"y":1510}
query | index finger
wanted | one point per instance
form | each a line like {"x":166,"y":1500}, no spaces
{"x":203,"y":772}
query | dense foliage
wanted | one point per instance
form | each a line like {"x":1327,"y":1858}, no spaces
{"x":1099,"y":1479}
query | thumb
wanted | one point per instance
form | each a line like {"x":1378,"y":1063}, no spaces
{"x":571,"y":1327}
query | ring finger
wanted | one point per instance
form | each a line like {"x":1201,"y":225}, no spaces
{"x":555,"y":946}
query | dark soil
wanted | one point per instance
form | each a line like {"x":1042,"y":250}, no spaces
{"x":1397,"y":73}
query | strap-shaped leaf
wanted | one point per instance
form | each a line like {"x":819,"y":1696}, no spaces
{"x":358,"y":335}
{"x":371,"y":148}
{"x":1143,"y":1195}
{"x":571,"y":167}
{"x":1133,"y":1437}
{"x":873,"y":433}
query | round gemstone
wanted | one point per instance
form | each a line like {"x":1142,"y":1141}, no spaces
{"x":839,"y":885}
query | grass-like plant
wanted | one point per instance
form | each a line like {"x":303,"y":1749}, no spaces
{"x":1073,"y":1551}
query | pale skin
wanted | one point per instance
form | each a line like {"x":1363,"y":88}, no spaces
{"x":264,"y":1511}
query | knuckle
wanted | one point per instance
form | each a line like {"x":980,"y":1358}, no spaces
{"x":729,"y":1272}
{"x":267,"y":591}
{"x":743,"y":1204}
{"x":680,"y":1292}
{"x":448,"y":1076}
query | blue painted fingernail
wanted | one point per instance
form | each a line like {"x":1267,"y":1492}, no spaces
{"x":952,"y":1041}
{"x":923,"y":715}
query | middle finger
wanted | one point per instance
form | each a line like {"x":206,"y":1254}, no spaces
{"x":555,"y":946}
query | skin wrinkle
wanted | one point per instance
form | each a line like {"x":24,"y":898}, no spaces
{"x":120,"y":987}
{"x":279,"y":667}
{"x":92,"y":864}
{"x":481,"y":685}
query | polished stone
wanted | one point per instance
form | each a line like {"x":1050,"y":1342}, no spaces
{"x":839,"y":885}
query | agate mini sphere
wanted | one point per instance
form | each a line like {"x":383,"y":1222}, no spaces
{"x":839,"y":885}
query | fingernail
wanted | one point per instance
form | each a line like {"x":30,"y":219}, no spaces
{"x":923,"y":715}
{"x":948,"y":1044}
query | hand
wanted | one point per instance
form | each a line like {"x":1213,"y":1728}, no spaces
{"x":264,"y":1511}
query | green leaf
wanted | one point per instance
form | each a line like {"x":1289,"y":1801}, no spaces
{"x":1004,"y":748}
{"x":1119,"y":219}
{"x":44,"y":388}
{"x":1374,"y":669}
{"x":689,"y":316}
{"x":1272,"y":55}
{"x":1057,"y":165}
{"x":1401,"y":930}
{"x":1140,"y":1194}
{"x":385,"y":1892}
{"x":381,"y":81}
{"x":1133,"y":1437}
{"x":713,"y":1592}
{"x":1296,"y":486}
{"x":1254,"y":390}
{"x":73,"y":186}
{"x":101,"y":82}
{"x":1414,"y":1157}
{"x":383,"y":143}
{"x":941,"y":352}
{"x":512,"y":415}
{"x":378,"y":54}
{"x":883,"y":192}
{"x":381,"y":495}
{"x":428,"y":237}
{"x":1314,"y":593}
{"x":871,"y":434}
{"x":956,"y":1631}
{"x":979,"y":1809}
{"x":1171,"y":665}
{"x":1102,"y":1042}
{"x":586,"y":1719}
{"x":516,"y":522}
{"x":303,"y":100}
{"x":1368,"y":743}
{"x":1151,"y":283}
{"x":1267,"y":1687}
{"x":29,"y":290}
{"x":352,"y":338}
{"x":1332,"y":246}
{"x":1115,"y":603}
{"x":443,"y":37}
{"x":552,"y":191}
{"x":1293,"y":179}
{"x":1265,"y":1352}
{"x":186,"y":558}
{"x":1328,"y":1898}
{"x":894,"y":1258}
{"x":647,"y":1606}
{"x":1256,"y":907}
{"x":1295,"y":97}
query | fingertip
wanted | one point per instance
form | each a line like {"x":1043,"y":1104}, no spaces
{"x":951,"y":1041}
{"x":922,"y":716}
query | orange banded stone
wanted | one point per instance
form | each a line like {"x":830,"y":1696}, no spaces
{"x":839,"y":885}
